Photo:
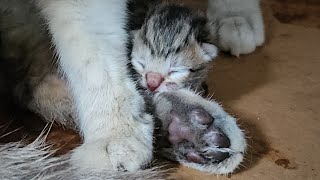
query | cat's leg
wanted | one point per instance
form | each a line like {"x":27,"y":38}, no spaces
{"x":198,"y":133}
{"x":90,"y":41}
{"x":52,"y":100}
{"x":236,"y":24}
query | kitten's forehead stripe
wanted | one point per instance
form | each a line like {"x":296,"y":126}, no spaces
{"x":147,"y":42}
{"x":168,"y":30}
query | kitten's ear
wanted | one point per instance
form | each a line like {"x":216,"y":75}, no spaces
{"x":210,"y":51}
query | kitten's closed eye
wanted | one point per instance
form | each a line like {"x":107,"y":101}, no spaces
{"x":178,"y":70}
{"x":189,"y":69}
{"x":138,"y":65}
{"x":179,"y":73}
{"x":186,"y":69}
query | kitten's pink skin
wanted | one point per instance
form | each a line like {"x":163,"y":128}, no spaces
{"x":154,"y":80}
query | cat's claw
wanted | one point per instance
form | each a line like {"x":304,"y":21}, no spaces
{"x":198,"y":133}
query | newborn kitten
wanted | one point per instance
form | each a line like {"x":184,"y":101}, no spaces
{"x":172,"y":50}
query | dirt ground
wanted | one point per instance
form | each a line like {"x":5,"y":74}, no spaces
{"x":274,"y":92}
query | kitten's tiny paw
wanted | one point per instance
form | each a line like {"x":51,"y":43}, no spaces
{"x":199,"y":134}
{"x":128,"y":149}
{"x":236,"y":34}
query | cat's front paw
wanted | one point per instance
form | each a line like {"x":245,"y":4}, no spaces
{"x":238,"y":34}
{"x":128,"y":148}
{"x":198,"y":133}
{"x":134,"y":148}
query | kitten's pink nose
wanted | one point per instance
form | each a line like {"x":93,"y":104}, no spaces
{"x":154,"y":80}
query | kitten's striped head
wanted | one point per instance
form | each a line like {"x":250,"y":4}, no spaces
{"x":171,"y":50}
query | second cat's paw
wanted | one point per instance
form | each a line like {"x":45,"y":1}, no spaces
{"x":236,"y":36}
{"x":236,"y":25}
{"x":198,"y":133}
{"x":239,"y":35}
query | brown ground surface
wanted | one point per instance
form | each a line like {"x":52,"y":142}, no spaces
{"x":274,"y":92}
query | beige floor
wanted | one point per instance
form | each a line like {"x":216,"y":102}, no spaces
{"x":275,"y":94}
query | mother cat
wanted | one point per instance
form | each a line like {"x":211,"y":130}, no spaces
{"x":90,"y":40}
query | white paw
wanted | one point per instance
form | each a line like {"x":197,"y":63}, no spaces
{"x":236,"y":24}
{"x":236,"y":36}
{"x":127,"y":149}
{"x":239,"y":35}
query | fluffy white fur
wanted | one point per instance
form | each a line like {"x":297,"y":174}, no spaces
{"x":237,"y":24}
{"x":51,"y":99}
{"x":35,"y":161}
{"x":90,"y":40}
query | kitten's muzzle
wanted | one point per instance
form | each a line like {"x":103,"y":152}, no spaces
{"x":154,"y":80}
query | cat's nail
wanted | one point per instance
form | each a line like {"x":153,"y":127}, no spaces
{"x":194,"y":157}
{"x":201,"y":116}
{"x":218,"y":139}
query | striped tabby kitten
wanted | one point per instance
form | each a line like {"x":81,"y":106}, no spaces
{"x":172,"y":49}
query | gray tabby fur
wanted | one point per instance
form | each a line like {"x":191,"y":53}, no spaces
{"x":174,"y":42}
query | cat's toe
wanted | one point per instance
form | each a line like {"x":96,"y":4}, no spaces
{"x":217,"y":139}
{"x":198,"y":144}
{"x":237,"y":36}
{"x":200,"y":116}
